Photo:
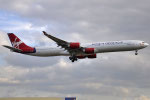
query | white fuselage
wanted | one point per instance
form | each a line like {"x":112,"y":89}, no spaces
{"x":101,"y":47}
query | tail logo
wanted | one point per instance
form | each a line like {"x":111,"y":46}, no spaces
{"x":16,"y":44}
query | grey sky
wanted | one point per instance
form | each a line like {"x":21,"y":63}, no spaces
{"x":112,"y":76}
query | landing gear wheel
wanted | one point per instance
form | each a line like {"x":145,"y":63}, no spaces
{"x":70,"y":58}
{"x":136,"y":52}
{"x":73,"y":58}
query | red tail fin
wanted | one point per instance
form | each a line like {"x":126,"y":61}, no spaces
{"x":17,"y":43}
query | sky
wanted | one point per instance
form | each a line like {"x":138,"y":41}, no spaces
{"x":112,"y":76}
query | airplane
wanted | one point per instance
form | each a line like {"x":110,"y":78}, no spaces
{"x":74,"y":50}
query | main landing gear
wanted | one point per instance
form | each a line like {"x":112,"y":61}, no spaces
{"x":73,"y":58}
{"x":136,"y":52}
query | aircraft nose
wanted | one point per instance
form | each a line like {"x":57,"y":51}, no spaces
{"x":146,"y":44}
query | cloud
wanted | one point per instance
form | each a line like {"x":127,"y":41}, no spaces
{"x":143,"y":98}
{"x":4,"y":40}
{"x":30,"y":61}
{"x":111,"y":76}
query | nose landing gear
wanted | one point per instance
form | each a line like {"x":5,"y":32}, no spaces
{"x":136,"y":52}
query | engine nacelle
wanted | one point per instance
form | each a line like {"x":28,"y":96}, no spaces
{"x":89,"y":50}
{"x":92,"y":56}
{"x":81,"y":57}
{"x":75,"y":45}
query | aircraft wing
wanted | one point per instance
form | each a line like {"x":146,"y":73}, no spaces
{"x":64,"y":44}
{"x":12,"y":49}
{"x":59,"y":42}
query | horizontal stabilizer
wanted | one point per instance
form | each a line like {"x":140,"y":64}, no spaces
{"x":13,"y":49}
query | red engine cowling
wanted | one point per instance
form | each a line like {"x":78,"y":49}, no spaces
{"x":92,"y":56}
{"x":89,"y":50}
{"x":81,"y":57}
{"x":75,"y":45}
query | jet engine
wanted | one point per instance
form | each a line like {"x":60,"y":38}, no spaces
{"x":89,"y":50}
{"x":74,"y":45}
{"x":92,"y":56}
{"x":88,"y":56}
{"x":81,"y":57}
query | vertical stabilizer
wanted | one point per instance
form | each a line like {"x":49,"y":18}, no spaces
{"x":18,"y":44}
